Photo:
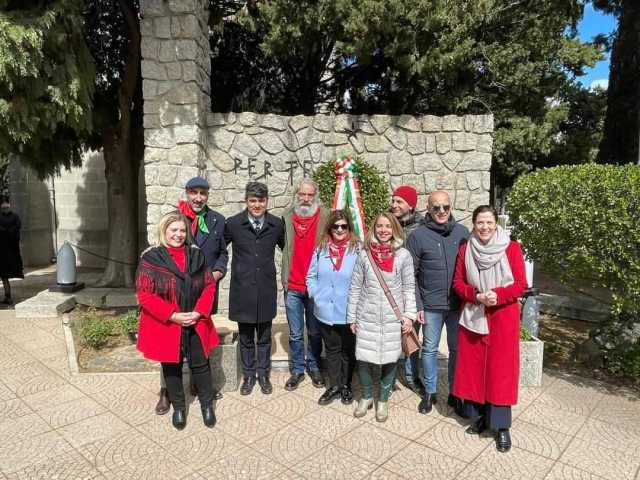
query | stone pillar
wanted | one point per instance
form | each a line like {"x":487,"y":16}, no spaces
{"x":176,"y":88}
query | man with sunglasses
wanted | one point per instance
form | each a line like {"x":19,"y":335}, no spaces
{"x":434,"y":247}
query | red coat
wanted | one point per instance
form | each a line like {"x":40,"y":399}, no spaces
{"x":488,"y":366}
{"x":158,"y":337}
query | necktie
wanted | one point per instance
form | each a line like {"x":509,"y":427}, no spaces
{"x":256,"y":225}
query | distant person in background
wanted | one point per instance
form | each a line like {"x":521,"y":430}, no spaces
{"x":10,"y":259}
{"x":328,"y":281}
{"x":489,"y":278}
{"x":175,"y":291}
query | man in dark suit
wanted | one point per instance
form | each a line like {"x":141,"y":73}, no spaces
{"x":254,"y":234}
{"x":207,"y":232}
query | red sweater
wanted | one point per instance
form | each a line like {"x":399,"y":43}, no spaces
{"x":302,"y":251}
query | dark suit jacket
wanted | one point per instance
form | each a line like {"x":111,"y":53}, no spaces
{"x":253,"y":291}
{"x":214,"y":247}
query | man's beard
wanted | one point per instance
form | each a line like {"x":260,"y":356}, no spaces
{"x":306,"y":210}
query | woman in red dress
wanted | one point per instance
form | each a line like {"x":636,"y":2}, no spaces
{"x":489,"y":278}
{"x":175,"y":291}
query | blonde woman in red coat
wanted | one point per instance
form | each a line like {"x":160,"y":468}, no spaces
{"x":175,"y":291}
{"x":489,"y":278}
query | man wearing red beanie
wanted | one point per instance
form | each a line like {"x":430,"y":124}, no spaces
{"x":403,"y":206}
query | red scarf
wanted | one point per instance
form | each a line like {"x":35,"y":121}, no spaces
{"x":336,"y":252}
{"x":383,"y":254}
{"x":303,"y":225}
{"x":188,"y":212}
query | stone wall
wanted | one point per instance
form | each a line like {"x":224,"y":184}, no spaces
{"x":183,"y":139}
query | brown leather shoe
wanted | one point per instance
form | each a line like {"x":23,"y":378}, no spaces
{"x":163,"y":405}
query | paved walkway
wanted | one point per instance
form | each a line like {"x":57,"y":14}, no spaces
{"x":54,"y":425}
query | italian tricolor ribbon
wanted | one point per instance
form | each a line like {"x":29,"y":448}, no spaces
{"x":347,"y":196}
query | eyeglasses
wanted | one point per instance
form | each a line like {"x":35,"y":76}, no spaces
{"x":339,"y":226}
{"x":440,"y":208}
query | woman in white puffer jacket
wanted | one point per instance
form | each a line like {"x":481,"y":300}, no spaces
{"x":370,"y":314}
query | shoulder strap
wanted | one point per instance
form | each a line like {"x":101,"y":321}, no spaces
{"x":384,"y":286}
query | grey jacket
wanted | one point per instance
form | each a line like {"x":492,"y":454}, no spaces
{"x":378,"y":334}
{"x":410,"y":225}
{"x":434,"y":257}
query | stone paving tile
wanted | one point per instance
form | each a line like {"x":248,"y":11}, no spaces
{"x":404,"y":422}
{"x":245,"y":464}
{"x":202,"y":447}
{"x":289,"y":407}
{"x":327,"y":423}
{"x":61,"y":394}
{"x":92,"y":429}
{"x":148,"y":381}
{"x":560,"y":471}
{"x":229,"y":407}
{"x":16,"y":375}
{"x":417,"y":461}
{"x":257,"y":397}
{"x":67,"y":465}
{"x":61,"y":414}
{"x":626,"y":440}
{"x":619,"y":410}
{"x":384,"y":474}
{"x":553,"y":418}
{"x":22,"y":428}
{"x":133,"y":403}
{"x":6,"y":393}
{"x":16,"y":455}
{"x":517,"y":465}
{"x":149,"y":468}
{"x":374,"y":444}
{"x":13,"y":408}
{"x":333,"y":463}
{"x":600,"y":460}
{"x":250,"y":426}
{"x":118,"y":451}
{"x":452,"y":440}
{"x":541,"y":441}
{"x":289,"y":445}
{"x":40,"y":383}
{"x":92,"y":383}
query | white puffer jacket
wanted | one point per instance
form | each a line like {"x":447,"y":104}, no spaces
{"x":378,"y":334}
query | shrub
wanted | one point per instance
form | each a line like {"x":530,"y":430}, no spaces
{"x":94,"y":329}
{"x":373,"y":187}
{"x":128,"y":322}
{"x":583,"y":222}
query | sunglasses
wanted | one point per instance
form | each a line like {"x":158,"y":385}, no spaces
{"x":339,"y":226}
{"x":440,"y":208}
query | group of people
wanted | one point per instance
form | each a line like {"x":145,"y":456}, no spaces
{"x":355,"y":300}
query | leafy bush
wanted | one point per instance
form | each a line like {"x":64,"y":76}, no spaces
{"x":373,"y":187}
{"x":95,"y":330}
{"x":128,"y":322}
{"x":583,"y":223}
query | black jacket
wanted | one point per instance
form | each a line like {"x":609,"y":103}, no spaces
{"x":253,"y":290}
{"x":434,"y":260}
{"x":214,"y":247}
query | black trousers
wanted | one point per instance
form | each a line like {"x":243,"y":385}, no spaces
{"x":497,"y":417}
{"x":340,"y":350}
{"x":192,"y":352}
{"x":255,"y":348}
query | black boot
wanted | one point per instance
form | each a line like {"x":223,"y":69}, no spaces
{"x":477,"y":427}
{"x":179,"y":419}
{"x":329,"y":396}
{"x":427,"y":402}
{"x":503,"y":440}
{"x":208,"y":415}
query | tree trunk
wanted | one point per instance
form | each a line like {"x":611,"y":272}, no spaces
{"x":121,"y":158}
{"x":620,"y":142}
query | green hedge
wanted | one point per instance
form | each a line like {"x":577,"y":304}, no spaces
{"x":373,"y":187}
{"x":582,"y":222}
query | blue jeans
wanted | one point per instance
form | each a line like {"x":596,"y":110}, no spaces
{"x":432,"y":329}
{"x":299,"y":306}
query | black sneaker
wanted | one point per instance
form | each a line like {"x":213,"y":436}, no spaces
{"x":347,"y":395}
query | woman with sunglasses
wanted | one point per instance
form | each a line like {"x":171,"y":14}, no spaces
{"x":489,"y":278}
{"x":371,"y":315}
{"x":328,"y":281}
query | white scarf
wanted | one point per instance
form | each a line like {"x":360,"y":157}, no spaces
{"x":487,"y":268}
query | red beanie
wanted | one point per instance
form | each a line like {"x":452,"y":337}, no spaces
{"x":408,"y":194}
